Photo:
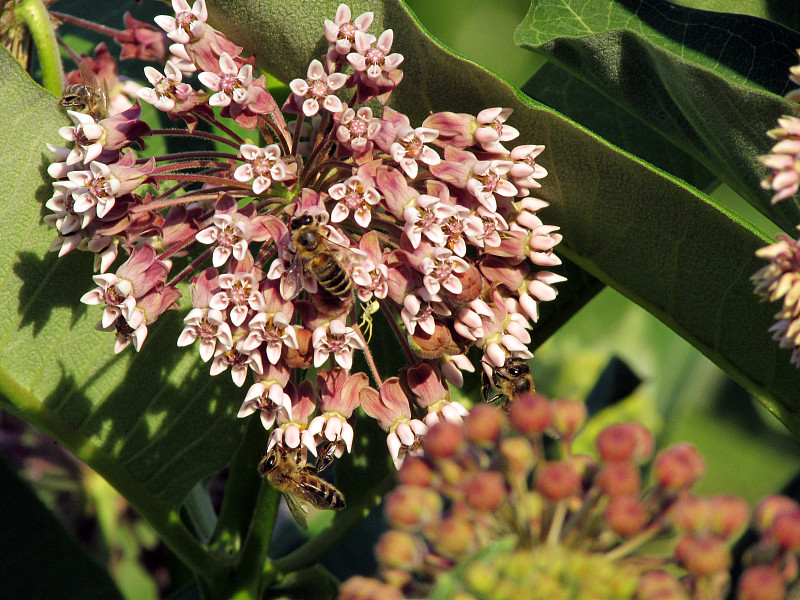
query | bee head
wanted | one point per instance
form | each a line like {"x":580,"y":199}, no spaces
{"x":267,"y":463}
{"x":301,"y":221}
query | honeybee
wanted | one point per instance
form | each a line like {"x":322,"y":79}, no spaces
{"x":319,"y":257}
{"x":287,"y":471}
{"x":87,"y":97}
{"x":512,"y":379}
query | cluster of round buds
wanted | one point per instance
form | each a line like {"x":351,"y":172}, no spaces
{"x":504,"y":497}
{"x":295,"y":243}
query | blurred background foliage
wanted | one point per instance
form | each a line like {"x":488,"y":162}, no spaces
{"x":615,"y":355}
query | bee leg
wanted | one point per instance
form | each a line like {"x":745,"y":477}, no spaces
{"x":326,"y":456}
{"x":485,"y":386}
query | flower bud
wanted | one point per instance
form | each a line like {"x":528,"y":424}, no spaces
{"x":786,"y":530}
{"x":412,"y":508}
{"x":455,"y":537}
{"x":660,"y":585}
{"x":558,"y":480}
{"x":678,"y":467}
{"x":484,"y":424}
{"x":443,"y":440}
{"x":569,"y":417}
{"x":399,"y":550}
{"x":625,"y":441}
{"x":517,"y":456}
{"x":486,"y":491}
{"x":619,"y":478}
{"x":703,"y":556}
{"x":729,"y":515}
{"x":761,"y":583}
{"x":429,"y":347}
{"x":416,"y":471}
{"x":530,"y":414}
{"x":625,"y":515}
{"x":770,"y":507}
{"x":691,"y":514}
{"x":366,"y":588}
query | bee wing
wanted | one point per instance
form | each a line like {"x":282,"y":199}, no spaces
{"x":298,"y":509}
{"x":87,"y":76}
{"x":339,"y":246}
{"x":292,"y":281}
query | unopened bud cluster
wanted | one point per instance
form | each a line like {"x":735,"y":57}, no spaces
{"x":333,"y":215}
{"x":504,"y":501}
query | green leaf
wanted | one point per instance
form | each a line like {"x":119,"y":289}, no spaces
{"x":785,"y":13}
{"x":154,"y":423}
{"x":653,"y":238}
{"x":705,"y":81}
{"x":40,"y":558}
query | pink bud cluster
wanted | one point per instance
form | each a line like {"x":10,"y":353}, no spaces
{"x":430,"y":227}
{"x":489,"y":479}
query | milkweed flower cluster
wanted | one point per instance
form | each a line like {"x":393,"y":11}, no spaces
{"x":296,"y":242}
{"x":505,"y":508}
{"x":780,"y":279}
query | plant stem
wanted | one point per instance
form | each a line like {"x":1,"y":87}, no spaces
{"x":37,"y":20}
{"x":91,"y":26}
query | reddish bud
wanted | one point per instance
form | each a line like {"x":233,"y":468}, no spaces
{"x":366,"y":588}
{"x":455,"y":537}
{"x":770,"y":507}
{"x":761,"y":583}
{"x":433,"y":346}
{"x":399,"y":550}
{"x":569,"y":416}
{"x":619,"y":478}
{"x":443,"y":440}
{"x":691,"y":514}
{"x":678,"y":467}
{"x":486,"y":491}
{"x":301,"y":357}
{"x":786,"y":530}
{"x":704,"y":555}
{"x":416,"y":471}
{"x":558,"y":480}
{"x":616,"y":442}
{"x":625,"y":515}
{"x":660,"y":585}
{"x":412,"y":508}
{"x":729,"y":515}
{"x":530,"y":414}
{"x":484,"y":424}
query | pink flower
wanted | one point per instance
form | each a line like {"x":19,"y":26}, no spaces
{"x":269,"y":400}
{"x":342,"y":30}
{"x":168,"y":89}
{"x":357,"y":129}
{"x":374,"y":60}
{"x":339,"y":395}
{"x":440,"y":271}
{"x":371,"y":276}
{"x":317,"y":90}
{"x":425,"y":216}
{"x":356,"y":195}
{"x":239,"y":360}
{"x":489,"y":178}
{"x":783,"y":159}
{"x":336,"y":339}
{"x":410,"y":148}
{"x":87,"y":135}
{"x":188,"y":22}
{"x":391,"y":409}
{"x":231,"y":85}
{"x":239,"y":292}
{"x":273,"y":331}
{"x":263,"y":166}
{"x":491,"y":130}
{"x":293,"y":432}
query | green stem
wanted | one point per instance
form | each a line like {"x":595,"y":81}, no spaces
{"x":37,"y":20}
{"x":200,"y":511}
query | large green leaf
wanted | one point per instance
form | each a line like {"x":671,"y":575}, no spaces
{"x":152,"y":423}
{"x":705,"y":81}
{"x":38,"y":558}
{"x":655,"y":239}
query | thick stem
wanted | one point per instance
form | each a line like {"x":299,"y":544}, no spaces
{"x":195,"y":134}
{"x":37,"y":20}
